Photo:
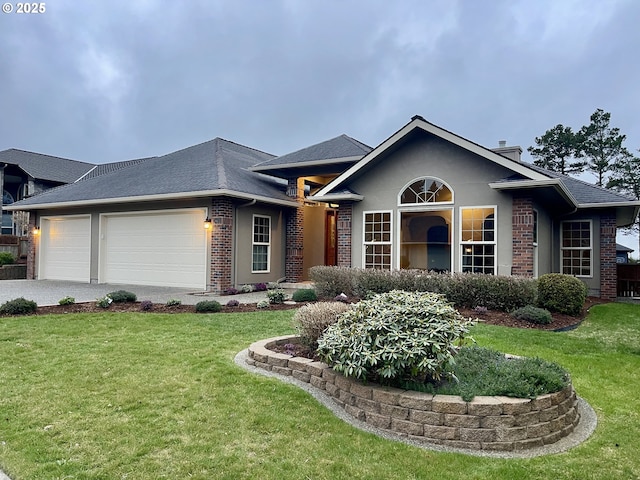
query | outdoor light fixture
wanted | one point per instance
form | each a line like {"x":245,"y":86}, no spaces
{"x":36,"y":230}
{"x":208,"y":224}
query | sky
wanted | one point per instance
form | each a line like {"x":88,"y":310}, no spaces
{"x":111,"y":80}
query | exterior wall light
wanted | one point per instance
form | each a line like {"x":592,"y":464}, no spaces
{"x":36,"y":230}
{"x":208,"y":224}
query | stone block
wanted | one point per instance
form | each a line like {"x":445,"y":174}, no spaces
{"x":278,"y":359}
{"x":388,"y":395}
{"x":466,"y":421}
{"x":394,"y":411}
{"x":329,"y":375}
{"x":541,"y":402}
{"x":259,"y":357}
{"x":367,"y":405}
{"x":299,"y":363}
{"x":302,"y":376}
{"x":403,"y":426}
{"x":549,"y":414}
{"x":485,"y":406}
{"x":461,"y":444}
{"x":362,"y":391}
{"x":525,"y":419}
{"x":264,"y":366}
{"x":428,"y":418}
{"x":379,"y":421}
{"x":477,"y":435}
{"x":515,"y":406}
{"x":286,"y":371}
{"x":318,"y":382}
{"x":538,"y":430}
{"x":511,"y":434}
{"x":416,"y":400}
{"x":552,"y":438}
{"x":526,"y":444}
{"x":342,"y":382}
{"x":498,"y":421}
{"x":316,"y":368}
{"x":347,"y":398}
{"x":355,"y":412}
{"x":250,"y":361}
{"x":449,"y":404}
{"x":332,"y":390}
{"x":440,"y":432}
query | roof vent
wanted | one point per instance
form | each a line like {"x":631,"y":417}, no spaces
{"x":502,"y":143}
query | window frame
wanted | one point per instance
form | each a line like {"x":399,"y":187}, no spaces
{"x":254,"y":243}
{"x":377,"y":243}
{"x":425,"y":204}
{"x":590,"y":248}
{"x":462,"y":244}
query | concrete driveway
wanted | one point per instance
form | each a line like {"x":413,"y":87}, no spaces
{"x":48,"y":292}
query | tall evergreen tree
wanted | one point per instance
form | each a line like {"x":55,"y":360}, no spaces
{"x":625,"y":178}
{"x":556,"y":150}
{"x":600,"y":145}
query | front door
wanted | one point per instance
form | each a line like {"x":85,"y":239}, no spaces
{"x":330,"y":238}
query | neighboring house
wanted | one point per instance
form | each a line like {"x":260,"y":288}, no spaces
{"x":24,"y":174}
{"x":622,"y":253}
{"x":221,"y":214}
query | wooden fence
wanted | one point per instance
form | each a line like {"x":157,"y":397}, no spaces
{"x":628,"y":280}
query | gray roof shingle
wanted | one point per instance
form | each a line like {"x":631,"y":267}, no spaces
{"x":214,"y":165}
{"x":46,"y":167}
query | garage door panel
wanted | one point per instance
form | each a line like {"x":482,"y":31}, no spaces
{"x":65,"y":248}
{"x":167,"y":248}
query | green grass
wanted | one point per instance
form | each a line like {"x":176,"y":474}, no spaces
{"x":151,"y":396}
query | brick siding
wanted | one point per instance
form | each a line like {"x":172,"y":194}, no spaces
{"x":343,"y":224}
{"x":608,"y":266}
{"x":221,"y":244}
{"x":295,"y":219}
{"x":522,"y":234}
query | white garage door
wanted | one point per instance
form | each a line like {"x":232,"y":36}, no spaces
{"x":165,"y":248}
{"x":65,"y":248}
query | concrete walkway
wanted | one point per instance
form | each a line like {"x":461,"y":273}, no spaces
{"x":48,"y":292}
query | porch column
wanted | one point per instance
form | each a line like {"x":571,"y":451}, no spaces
{"x":31,"y":248}
{"x":295,"y":219}
{"x":608,"y":265}
{"x":522,"y":234}
{"x":343,"y":225}
{"x":221,"y":244}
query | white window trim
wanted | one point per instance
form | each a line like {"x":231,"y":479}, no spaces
{"x":254,"y":243}
{"x":563,"y":248}
{"x":423,"y":205}
{"x":364,"y":243}
{"x":462,"y":242}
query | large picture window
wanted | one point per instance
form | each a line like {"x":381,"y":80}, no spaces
{"x":577,"y":245}
{"x":377,"y":240}
{"x":478,"y":240}
{"x":261,"y":244}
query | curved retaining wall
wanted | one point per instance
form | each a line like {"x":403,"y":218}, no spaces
{"x":485,"y":423}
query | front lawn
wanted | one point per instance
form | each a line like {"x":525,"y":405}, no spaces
{"x":150,"y":396}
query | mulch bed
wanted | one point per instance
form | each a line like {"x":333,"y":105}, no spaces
{"x":560,"y":321}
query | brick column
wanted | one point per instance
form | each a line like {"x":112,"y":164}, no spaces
{"x":31,"y":249}
{"x":221,"y":244}
{"x":343,"y":224}
{"x":608,"y":266}
{"x":295,"y":218}
{"x":522,"y":231}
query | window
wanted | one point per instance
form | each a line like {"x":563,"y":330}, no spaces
{"x":425,"y":240}
{"x":377,"y":240}
{"x":477,"y":240}
{"x":261,"y":243}
{"x":576,"y":248}
{"x":426,"y":190}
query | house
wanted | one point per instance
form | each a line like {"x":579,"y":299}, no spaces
{"x":23,"y":174}
{"x":622,"y":253}
{"x":220,"y":214}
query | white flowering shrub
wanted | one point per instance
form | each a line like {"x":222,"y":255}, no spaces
{"x":395,"y":335}
{"x":312,"y":319}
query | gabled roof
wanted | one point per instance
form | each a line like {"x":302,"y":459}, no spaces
{"x":46,"y":167}
{"x":419,"y":123}
{"x":623,"y":248}
{"x":216,"y":167}
{"x":103,"y":168}
{"x":316,"y":159}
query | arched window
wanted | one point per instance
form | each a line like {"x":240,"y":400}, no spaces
{"x":424,"y":191}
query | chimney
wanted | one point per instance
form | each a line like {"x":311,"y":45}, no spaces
{"x":514,"y":153}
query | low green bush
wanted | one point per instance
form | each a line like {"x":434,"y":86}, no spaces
{"x":304,"y":295}
{"x":313,"y":319}
{"x":173,"y":302}
{"x":561,"y":293}
{"x":122,"y":296}
{"x":247,"y":288}
{"x":395,"y":335}
{"x":276,"y":296}
{"x":529,"y":313}
{"x":104,"y":302}
{"x":208,"y":306}
{"x":263,"y":304}
{"x":18,"y":306}
{"x":67,"y":301}
{"x":6,"y":258}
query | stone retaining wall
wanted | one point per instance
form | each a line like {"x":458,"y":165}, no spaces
{"x":485,"y":423}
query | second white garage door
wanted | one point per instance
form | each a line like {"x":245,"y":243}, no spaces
{"x":167,"y":248}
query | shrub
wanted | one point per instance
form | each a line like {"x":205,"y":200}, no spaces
{"x":311,"y":320}
{"x":122,"y":296}
{"x":104,"y":302}
{"x":273,"y":285}
{"x":394,"y":335}
{"x":6,"y":258}
{"x":261,"y":287}
{"x":232,"y":291}
{"x":480,"y":310}
{"x":533,"y":314}
{"x":276,"y":296}
{"x":341,"y":298}
{"x":263,"y":304}
{"x":146,"y":305}
{"x":233,"y":303}
{"x":67,"y":301}
{"x":561,"y":293}
{"x":305,"y":295}
{"x":247,"y":288}
{"x":208,"y":306}
{"x":18,"y":306}
{"x":331,"y":281}
{"x":173,"y":302}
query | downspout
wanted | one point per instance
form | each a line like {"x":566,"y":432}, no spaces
{"x":235,"y":237}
